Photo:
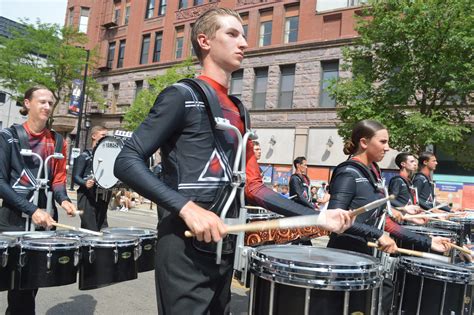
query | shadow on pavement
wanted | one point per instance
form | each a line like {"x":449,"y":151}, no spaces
{"x":239,"y":304}
{"x":80,"y":304}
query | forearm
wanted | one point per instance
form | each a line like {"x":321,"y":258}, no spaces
{"x":406,"y":235}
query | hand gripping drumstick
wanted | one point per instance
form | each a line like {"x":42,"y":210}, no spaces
{"x":70,"y":227}
{"x":416,"y":253}
{"x":293,"y":222}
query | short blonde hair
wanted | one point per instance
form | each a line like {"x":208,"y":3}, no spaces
{"x":97,"y":129}
{"x":208,"y":25}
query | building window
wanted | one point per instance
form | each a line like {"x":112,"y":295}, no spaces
{"x":127,"y":15}
{"x":110,"y":55}
{"x":265,"y":35}
{"x":84,"y":20}
{"x":105,"y":91}
{"x":162,"y":7}
{"x":121,"y":54}
{"x":236,"y":83}
{"x":150,"y":7}
{"x":145,"y":49}
{"x":115,"y":96}
{"x":179,"y":42}
{"x":330,"y":70}
{"x":260,"y":88}
{"x":117,"y":16}
{"x":291,"y":29}
{"x":71,"y":16}
{"x":287,"y":85}
{"x":198,"y":2}
{"x":138,"y":87}
{"x":183,"y":4}
{"x":324,"y":5}
{"x":3,"y":97}
{"x":18,"y":104}
{"x":245,"y":23}
{"x":157,"y":49}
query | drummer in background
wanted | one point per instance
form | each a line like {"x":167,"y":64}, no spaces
{"x":425,"y":185}
{"x":17,"y":179}
{"x":402,"y":188}
{"x":91,"y":198}
{"x":355,"y":183}
{"x":300,"y":183}
{"x":187,"y":276}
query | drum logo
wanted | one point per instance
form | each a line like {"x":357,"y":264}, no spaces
{"x":126,"y":255}
{"x":111,"y":144}
{"x":147,"y":247}
{"x":63,"y":260}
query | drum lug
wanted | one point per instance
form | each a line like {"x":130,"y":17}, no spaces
{"x":22,"y":258}
{"x":76,"y":258}
{"x":138,"y":250}
{"x":116,"y":254}
{"x":48,"y":260}
{"x":91,"y":255}
{"x":4,"y":258}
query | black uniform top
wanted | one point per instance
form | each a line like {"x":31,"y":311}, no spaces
{"x":353,"y":185}
{"x":299,"y":186}
{"x":426,"y":195}
{"x":400,"y":187}
{"x":82,"y":170}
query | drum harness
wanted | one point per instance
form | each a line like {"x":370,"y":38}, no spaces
{"x":238,"y":175}
{"x":42,"y":183}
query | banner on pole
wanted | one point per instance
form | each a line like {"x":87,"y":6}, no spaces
{"x":75,"y":103}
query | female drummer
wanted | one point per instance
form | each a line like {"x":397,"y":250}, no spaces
{"x":357,"y":182}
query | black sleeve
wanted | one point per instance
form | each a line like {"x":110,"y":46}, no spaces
{"x":424,"y":192}
{"x":78,"y":169}
{"x":394,"y":188}
{"x":9,"y":196}
{"x":165,"y":118}
{"x":406,"y":235}
{"x":296,"y":188}
{"x":342,"y":190}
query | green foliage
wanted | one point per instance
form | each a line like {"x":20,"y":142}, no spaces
{"x":412,"y":70}
{"x":45,"y":54}
{"x":146,"y":98}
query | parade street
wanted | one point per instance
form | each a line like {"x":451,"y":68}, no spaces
{"x":130,"y":297}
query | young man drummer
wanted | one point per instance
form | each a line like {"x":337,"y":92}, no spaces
{"x":424,"y":183}
{"x":194,"y":175}
{"x":92,"y":199}
{"x":18,"y":177}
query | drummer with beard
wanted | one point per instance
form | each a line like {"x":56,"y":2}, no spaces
{"x":355,"y":183}
{"x":91,"y":198}
{"x":17,"y":179}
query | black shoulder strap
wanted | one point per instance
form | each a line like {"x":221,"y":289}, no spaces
{"x":244,"y":113}
{"x":22,"y":136}
{"x":58,"y":139}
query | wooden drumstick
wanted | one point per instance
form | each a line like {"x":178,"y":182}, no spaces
{"x":70,"y":227}
{"x":78,"y":212}
{"x":370,"y":206}
{"x":430,"y":215}
{"x":462,"y":249}
{"x":416,"y":253}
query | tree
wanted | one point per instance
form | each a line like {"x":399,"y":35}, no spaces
{"x":146,"y":98}
{"x":45,"y":54}
{"x":412,"y":69}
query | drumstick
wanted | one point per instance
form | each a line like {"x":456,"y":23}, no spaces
{"x":430,"y":215}
{"x":416,"y":253}
{"x":462,"y":249}
{"x":70,"y":227}
{"x":437,"y":207}
{"x":78,"y":212}
{"x":370,"y":206}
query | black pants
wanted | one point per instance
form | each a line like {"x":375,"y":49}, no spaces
{"x":21,"y":302}
{"x":95,"y":212}
{"x":189,"y":281}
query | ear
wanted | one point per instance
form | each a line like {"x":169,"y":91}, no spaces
{"x":363,"y":143}
{"x":203,"y":41}
{"x":27,"y":103}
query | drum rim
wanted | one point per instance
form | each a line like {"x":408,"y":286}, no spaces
{"x":109,"y":242}
{"x":438,"y":232}
{"x":469,"y":219}
{"x":414,"y":266}
{"x":7,"y":241}
{"x":32,"y":244}
{"x":151,"y":233}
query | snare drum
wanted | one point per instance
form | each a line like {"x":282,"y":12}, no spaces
{"x":428,"y":232}
{"x":147,"y":238}
{"x":78,"y":235}
{"x":46,"y":262}
{"x":6,"y":262}
{"x":467,"y":226}
{"x":433,"y":287}
{"x":311,"y":280}
{"x":104,"y":155}
{"x":107,"y":260}
{"x":445,"y":225}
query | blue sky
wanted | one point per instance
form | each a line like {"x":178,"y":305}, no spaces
{"x":48,"y":11}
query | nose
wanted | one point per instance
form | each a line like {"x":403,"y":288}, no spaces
{"x":243,"y":43}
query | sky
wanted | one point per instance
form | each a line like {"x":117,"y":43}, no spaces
{"x":48,"y":11}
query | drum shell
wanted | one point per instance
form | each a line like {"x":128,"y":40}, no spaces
{"x":436,"y":292}
{"x":7,"y":246}
{"x":32,"y":271}
{"x":148,"y":239}
{"x":98,"y":268}
{"x":291,"y":283}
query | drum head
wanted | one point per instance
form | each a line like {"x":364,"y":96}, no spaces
{"x":104,"y":155}
{"x":134,"y":231}
{"x":70,"y":234}
{"x":314,"y":267}
{"x":52,"y":243}
{"x":109,"y":241}
{"x":437,"y":270}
